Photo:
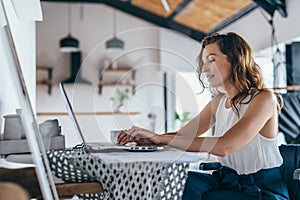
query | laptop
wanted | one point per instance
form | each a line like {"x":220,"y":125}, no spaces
{"x":100,"y":147}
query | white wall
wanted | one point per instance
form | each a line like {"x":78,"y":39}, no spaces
{"x":23,"y":33}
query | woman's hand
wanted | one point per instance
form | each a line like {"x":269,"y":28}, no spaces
{"x":123,"y":137}
{"x":143,"y":136}
{"x":139,"y":135}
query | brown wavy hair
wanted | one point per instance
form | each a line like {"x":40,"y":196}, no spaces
{"x":245,"y":73}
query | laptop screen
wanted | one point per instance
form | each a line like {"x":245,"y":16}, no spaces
{"x":98,"y":148}
{"x":71,"y":113}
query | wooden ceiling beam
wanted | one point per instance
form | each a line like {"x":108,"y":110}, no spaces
{"x":235,"y":17}
{"x":179,"y":9}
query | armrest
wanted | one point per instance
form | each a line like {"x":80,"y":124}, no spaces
{"x":210,"y":166}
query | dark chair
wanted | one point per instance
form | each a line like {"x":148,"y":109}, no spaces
{"x":291,"y":161}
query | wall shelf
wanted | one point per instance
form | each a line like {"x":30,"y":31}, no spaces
{"x":86,"y":113}
{"x":48,"y":81}
{"x":121,"y":71}
{"x":116,"y":84}
{"x":289,"y":88}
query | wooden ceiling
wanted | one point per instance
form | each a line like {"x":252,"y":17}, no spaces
{"x":194,"y":18}
{"x":200,"y":15}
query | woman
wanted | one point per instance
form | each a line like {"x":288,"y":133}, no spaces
{"x":244,"y":115}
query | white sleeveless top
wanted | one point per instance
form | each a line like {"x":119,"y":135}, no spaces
{"x":259,"y":153}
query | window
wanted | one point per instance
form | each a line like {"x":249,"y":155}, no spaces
{"x":188,"y":94}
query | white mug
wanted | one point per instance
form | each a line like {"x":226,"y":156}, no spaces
{"x":114,"y":136}
{"x":12,"y":127}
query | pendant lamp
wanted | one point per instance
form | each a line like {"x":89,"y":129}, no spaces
{"x":114,"y":43}
{"x":69,"y":43}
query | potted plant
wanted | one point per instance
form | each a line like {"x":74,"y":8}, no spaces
{"x":182,"y":118}
{"x":119,"y":99}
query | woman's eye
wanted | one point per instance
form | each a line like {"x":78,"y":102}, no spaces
{"x":211,"y":60}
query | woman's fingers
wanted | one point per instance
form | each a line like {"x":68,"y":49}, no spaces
{"x":123,"y":137}
{"x":147,"y":137}
{"x":136,"y":132}
{"x":138,"y":135}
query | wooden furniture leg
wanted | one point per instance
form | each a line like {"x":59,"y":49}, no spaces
{"x":26,"y":178}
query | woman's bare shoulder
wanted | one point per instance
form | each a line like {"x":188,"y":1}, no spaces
{"x":265,"y":94}
{"x":265,"y":97}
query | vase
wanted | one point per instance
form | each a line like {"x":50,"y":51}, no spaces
{"x":114,"y":65}
{"x":120,"y":108}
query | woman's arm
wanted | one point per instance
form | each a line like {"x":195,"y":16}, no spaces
{"x":197,"y":126}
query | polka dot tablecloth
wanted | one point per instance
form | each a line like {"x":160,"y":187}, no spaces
{"x":129,"y":180}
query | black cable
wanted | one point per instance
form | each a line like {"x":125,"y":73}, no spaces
{"x":274,"y":43}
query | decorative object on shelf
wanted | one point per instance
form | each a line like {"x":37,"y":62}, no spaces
{"x":13,"y":129}
{"x":114,"y":65}
{"x":14,"y":140}
{"x":152,"y":119}
{"x":114,"y":42}
{"x":119,"y":99}
{"x":109,"y":63}
{"x":48,"y":129}
{"x":183,"y":118}
{"x":69,"y":43}
{"x":106,"y":63}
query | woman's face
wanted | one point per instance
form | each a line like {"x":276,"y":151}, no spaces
{"x":216,"y":67}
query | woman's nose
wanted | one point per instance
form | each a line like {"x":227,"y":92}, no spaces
{"x":205,"y":68}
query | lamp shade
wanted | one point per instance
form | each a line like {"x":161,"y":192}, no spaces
{"x":115,"y":43}
{"x":69,"y":44}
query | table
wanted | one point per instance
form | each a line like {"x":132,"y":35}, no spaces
{"x":156,"y":175}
